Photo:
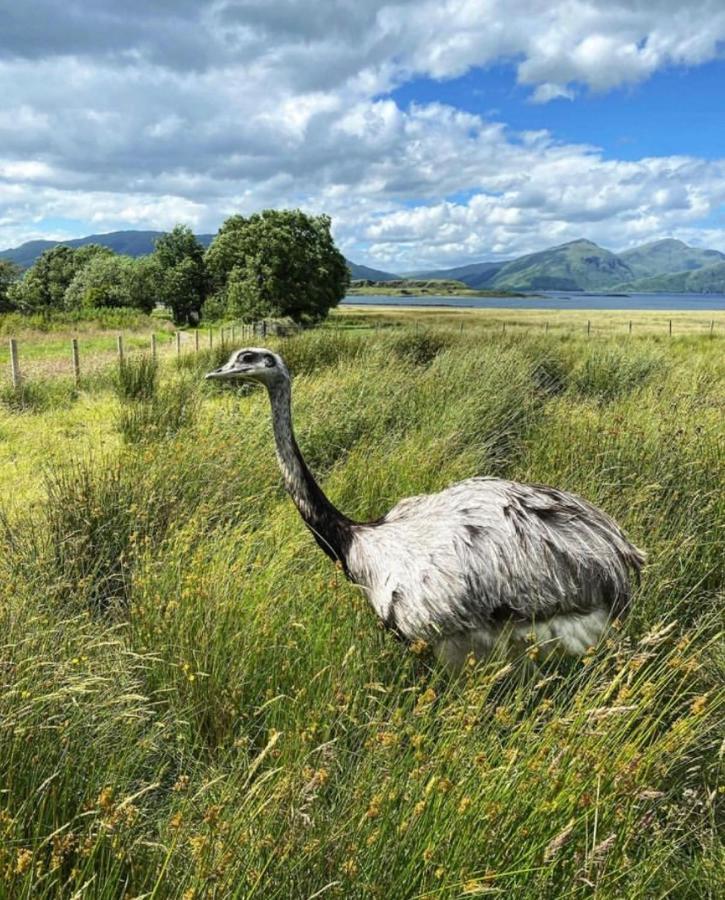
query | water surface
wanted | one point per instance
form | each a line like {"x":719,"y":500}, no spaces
{"x":557,"y":300}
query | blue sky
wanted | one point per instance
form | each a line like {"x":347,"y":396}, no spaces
{"x":679,"y":110}
{"x":433,"y":132}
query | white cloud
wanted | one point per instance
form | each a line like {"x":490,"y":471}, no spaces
{"x":182,"y":110}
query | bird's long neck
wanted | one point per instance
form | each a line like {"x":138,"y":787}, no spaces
{"x":331,"y":529}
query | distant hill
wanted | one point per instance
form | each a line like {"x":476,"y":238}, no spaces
{"x":707,"y":280}
{"x":141,"y":243}
{"x":584,"y":266}
{"x":666,"y":265}
{"x":360,"y":273}
{"x":668,"y":256}
{"x":574,"y":266}
{"x":129,"y":243}
{"x":476,"y":275}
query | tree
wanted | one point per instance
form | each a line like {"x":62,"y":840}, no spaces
{"x":43,"y":287}
{"x":8,"y":275}
{"x":115,"y":281}
{"x":183,"y":281}
{"x":278,"y":262}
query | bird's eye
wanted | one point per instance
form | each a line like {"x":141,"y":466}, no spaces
{"x":268,"y":360}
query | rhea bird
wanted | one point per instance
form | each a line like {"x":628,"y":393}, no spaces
{"x":481,"y":561}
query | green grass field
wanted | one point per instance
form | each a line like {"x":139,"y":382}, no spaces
{"x":196,"y":704}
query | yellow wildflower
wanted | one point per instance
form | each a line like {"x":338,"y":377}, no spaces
{"x":24,"y":861}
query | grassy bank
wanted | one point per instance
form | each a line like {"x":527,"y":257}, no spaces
{"x":195,"y":704}
{"x":425,"y":287}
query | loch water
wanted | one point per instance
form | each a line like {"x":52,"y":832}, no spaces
{"x":553,"y":300}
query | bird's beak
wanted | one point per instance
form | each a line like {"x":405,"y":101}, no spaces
{"x":228,"y":371}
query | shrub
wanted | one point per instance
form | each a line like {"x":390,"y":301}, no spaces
{"x":159,"y":415}
{"x":137,"y":378}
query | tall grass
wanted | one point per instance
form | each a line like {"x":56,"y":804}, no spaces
{"x":195,"y":703}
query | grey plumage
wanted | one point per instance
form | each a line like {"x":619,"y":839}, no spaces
{"x":481,"y":560}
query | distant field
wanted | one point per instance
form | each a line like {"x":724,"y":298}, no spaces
{"x":47,"y":353}
{"x":194,"y":702}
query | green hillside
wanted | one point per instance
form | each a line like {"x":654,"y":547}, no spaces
{"x":708,"y":280}
{"x":141,"y":243}
{"x":126,"y":243}
{"x":476,"y":275}
{"x":358,"y":272}
{"x":575,"y":266}
{"x":668,"y":257}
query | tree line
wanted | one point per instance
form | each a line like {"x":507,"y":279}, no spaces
{"x":272,"y":263}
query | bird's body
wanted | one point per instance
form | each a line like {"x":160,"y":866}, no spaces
{"x":487,"y":558}
{"x":460,"y":569}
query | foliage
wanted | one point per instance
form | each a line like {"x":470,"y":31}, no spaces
{"x":114,"y":281}
{"x":160,"y":415}
{"x":277,"y":263}
{"x":43,"y":286}
{"x":8,"y":275}
{"x":180,"y":258}
{"x":137,"y":378}
{"x":235,"y":724}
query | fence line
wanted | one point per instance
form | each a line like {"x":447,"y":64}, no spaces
{"x":263,"y":328}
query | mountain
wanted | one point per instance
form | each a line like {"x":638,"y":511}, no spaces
{"x":666,"y":265}
{"x":140,"y":243}
{"x":129,"y":243}
{"x":584,"y":266}
{"x":476,"y":275}
{"x":668,"y":256}
{"x":365,"y":272}
{"x":707,"y":280}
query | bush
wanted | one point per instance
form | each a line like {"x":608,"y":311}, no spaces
{"x":609,"y":372}
{"x":420,"y":348}
{"x":160,"y":415}
{"x":137,"y":378}
{"x":37,"y":397}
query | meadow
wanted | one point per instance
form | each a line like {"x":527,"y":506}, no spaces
{"x":194,"y":703}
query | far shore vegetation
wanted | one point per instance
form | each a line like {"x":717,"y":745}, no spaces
{"x":416,"y":287}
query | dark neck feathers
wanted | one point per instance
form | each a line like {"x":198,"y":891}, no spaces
{"x":331,"y":529}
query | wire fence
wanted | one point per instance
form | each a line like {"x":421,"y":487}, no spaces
{"x":79,"y":357}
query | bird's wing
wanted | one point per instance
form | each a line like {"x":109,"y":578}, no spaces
{"x":486,"y":550}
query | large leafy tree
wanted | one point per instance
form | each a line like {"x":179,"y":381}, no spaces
{"x":8,"y":274}
{"x":183,"y":282}
{"x":43,"y":287}
{"x":278,"y":262}
{"x":113,"y":281}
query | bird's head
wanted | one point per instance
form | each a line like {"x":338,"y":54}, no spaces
{"x":253,"y":364}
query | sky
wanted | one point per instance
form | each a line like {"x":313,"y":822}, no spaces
{"x":435,"y":133}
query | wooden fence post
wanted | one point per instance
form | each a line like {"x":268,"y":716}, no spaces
{"x":546,"y":327}
{"x":178,"y":343}
{"x":712,"y":327}
{"x":196,"y":341}
{"x":119,"y":345}
{"x":153,"y":346}
{"x":589,"y":327}
{"x":75,"y":356}
{"x":14,"y":365}
{"x":630,"y":326}
{"x":503,"y":328}
{"x":670,"y":327}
